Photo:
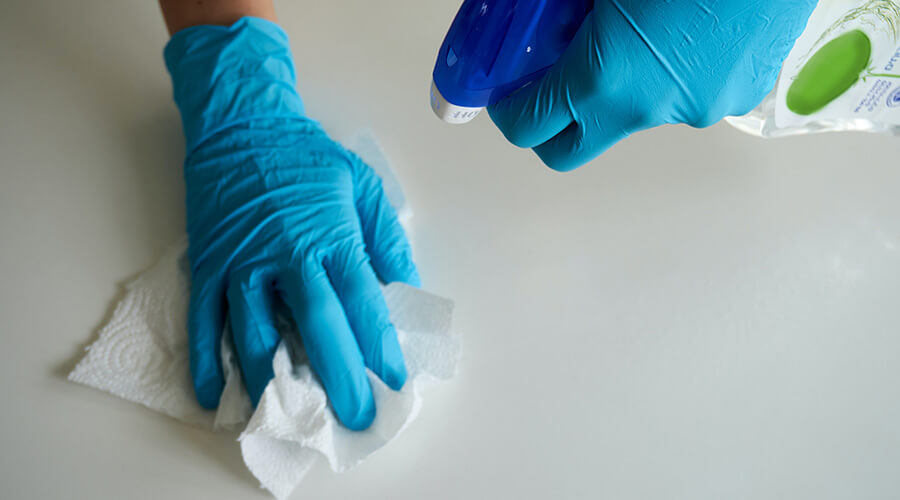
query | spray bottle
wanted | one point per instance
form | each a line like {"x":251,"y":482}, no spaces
{"x":495,"y":47}
{"x":842,"y":74}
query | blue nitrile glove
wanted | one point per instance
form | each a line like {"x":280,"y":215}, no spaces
{"x":277,"y":209}
{"x":636,"y":64}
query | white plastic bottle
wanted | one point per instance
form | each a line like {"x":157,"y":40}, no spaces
{"x":846,"y":65}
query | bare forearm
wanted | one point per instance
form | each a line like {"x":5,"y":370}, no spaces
{"x":180,"y":14}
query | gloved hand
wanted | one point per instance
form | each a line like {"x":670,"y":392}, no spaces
{"x":636,"y":64}
{"x":277,"y":209}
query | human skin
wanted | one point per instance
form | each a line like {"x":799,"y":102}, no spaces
{"x":181,"y":14}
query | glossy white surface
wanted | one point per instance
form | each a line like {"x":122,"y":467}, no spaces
{"x":695,"y":315}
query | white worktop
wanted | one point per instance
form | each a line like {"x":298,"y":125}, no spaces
{"x":697,"y":314}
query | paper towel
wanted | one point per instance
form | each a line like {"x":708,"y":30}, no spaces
{"x":142,"y":355}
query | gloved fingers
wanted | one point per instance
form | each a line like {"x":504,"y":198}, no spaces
{"x":360,"y":293}
{"x":330,"y":344}
{"x":206,"y":320}
{"x":540,"y":111}
{"x":579,"y":144}
{"x":385,"y":239}
{"x":535,"y":113}
{"x":252,"y":313}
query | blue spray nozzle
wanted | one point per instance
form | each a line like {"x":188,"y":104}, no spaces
{"x":494,"y":47}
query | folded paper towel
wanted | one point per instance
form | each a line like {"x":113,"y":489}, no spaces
{"x":142,"y":355}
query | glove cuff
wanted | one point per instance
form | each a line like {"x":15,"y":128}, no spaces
{"x":226,"y":75}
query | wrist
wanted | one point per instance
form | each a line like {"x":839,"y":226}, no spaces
{"x":181,"y":14}
{"x":227,"y":75}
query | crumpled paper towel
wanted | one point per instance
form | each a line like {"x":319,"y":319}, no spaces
{"x":142,"y":356}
